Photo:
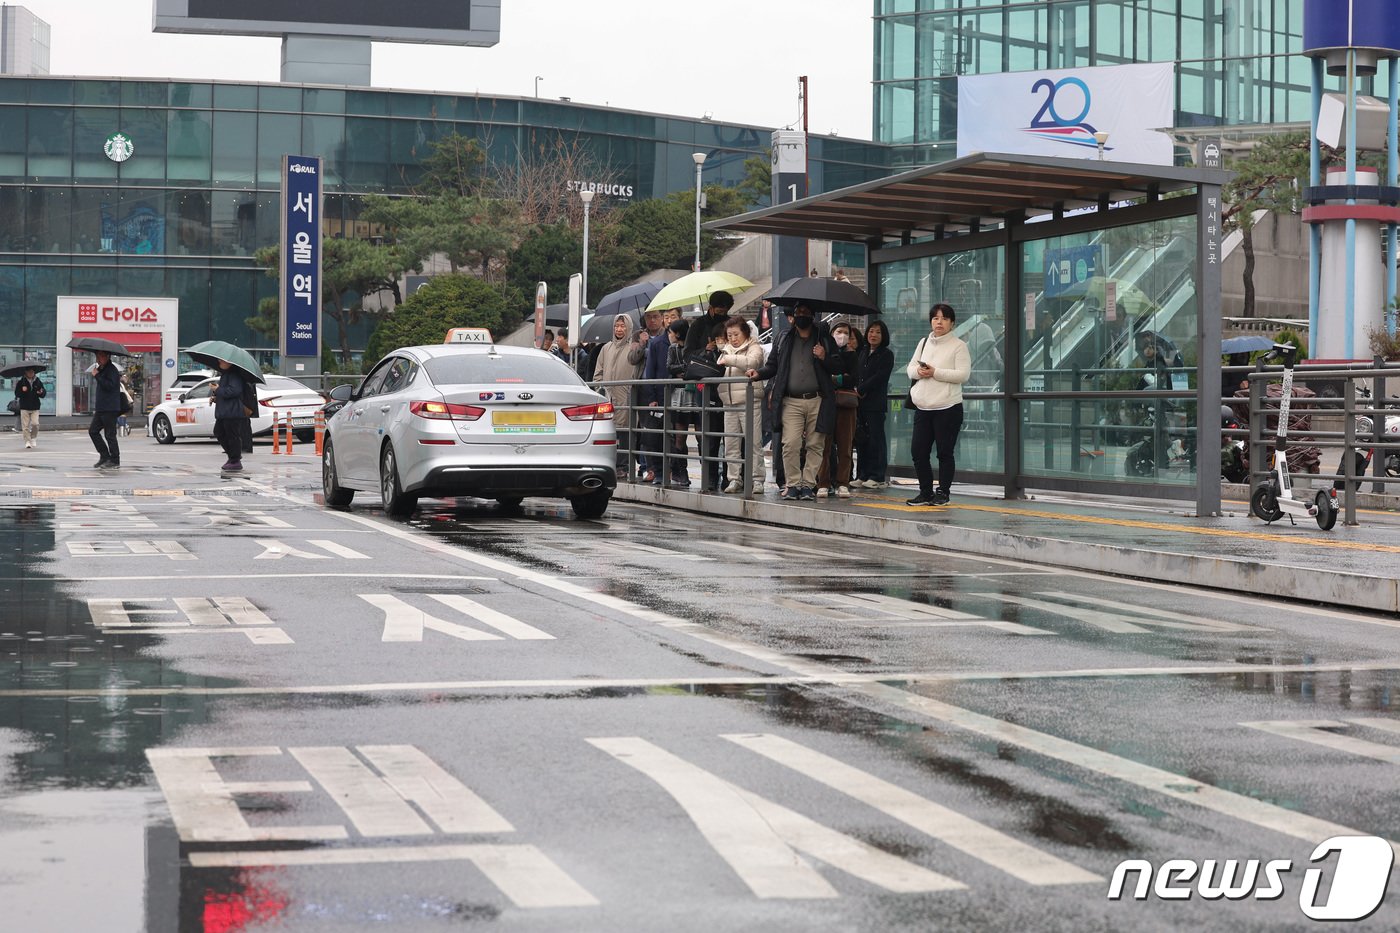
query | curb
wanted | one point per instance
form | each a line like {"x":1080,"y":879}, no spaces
{"x":1307,"y":584}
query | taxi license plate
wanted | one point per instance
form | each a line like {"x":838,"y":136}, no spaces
{"x":303,"y":422}
{"x":522,"y":422}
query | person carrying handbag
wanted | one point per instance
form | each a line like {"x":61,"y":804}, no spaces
{"x":940,"y":365}
{"x":742,"y":354}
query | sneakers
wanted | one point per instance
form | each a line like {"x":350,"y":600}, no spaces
{"x":822,"y":492}
{"x":734,"y":486}
{"x":788,"y":492}
{"x":940,"y":497}
{"x":758,"y":489}
{"x":923,"y":498}
{"x":807,"y":494}
{"x":111,"y":465}
{"x":875,"y":484}
{"x":232,"y":466}
{"x":842,"y":492}
{"x":100,"y":464}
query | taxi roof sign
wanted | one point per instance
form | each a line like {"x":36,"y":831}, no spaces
{"x":469,"y":335}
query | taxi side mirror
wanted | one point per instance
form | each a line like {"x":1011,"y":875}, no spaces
{"x":342,"y":392}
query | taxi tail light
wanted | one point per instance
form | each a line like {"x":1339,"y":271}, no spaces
{"x":602,"y":411}
{"x":445,"y":411}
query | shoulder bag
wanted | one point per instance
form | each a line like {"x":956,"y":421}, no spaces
{"x":909,"y":396}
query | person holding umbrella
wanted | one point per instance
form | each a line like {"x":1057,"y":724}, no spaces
{"x":107,"y":408}
{"x":229,"y":413}
{"x":28,"y":391}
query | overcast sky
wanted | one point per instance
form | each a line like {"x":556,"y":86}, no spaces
{"x":737,"y":59}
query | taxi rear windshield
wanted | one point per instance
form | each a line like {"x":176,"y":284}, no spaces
{"x":507,"y":369}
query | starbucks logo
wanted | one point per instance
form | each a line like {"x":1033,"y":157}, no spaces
{"x":118,"y":147}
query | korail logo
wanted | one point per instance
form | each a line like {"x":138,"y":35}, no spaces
{"x":1357,"y":887}
{"x":1067,"y":96}
{"x":300,"y":168}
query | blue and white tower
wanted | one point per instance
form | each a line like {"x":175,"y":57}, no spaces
{"x":1348,"y":38}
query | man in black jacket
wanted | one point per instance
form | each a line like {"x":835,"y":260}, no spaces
{"x":29,"y":390}
{"x":803,"y":399}
{"x":699,"y":340}
{"x":107,"y":408}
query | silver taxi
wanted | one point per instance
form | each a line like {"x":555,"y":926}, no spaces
{"x":478,"y":420}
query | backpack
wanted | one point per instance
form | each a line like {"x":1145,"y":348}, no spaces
{"x":250,"y":397}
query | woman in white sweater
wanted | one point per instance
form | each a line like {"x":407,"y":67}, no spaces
{"x":940,"y":365}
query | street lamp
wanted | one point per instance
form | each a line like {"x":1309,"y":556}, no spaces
{"x":699,"y":158}
{"x":587,"y":198}
{"x":1102,"y":139}
{"x":538,"y":79}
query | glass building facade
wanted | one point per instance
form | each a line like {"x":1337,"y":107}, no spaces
{"x":1237,"y":61}
{"x":199,"y":195}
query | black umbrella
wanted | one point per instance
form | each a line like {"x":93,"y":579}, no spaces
{"x":16,"y":370}
{"x":630,"y":300}
{"x":556,"y":315}
{"x":827,"y":296}
{"x":94,"y":344}
{"x":599,"y":328}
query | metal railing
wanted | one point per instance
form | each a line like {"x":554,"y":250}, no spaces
{"x":642,"y":423}
{"x":1354,"y":438}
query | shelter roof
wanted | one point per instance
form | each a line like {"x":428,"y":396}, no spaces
{"x":975,"y":192}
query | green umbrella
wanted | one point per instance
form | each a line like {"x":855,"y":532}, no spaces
{"x":212,"y":352}
{"x":696,"y":287}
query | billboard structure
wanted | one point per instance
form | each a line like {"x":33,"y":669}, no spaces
{"x":442,"y":22}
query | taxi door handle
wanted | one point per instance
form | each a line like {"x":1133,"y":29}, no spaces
{"x":385,"y":408}
{"x":359,"y":411}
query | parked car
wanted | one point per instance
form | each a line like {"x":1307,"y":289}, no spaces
{"x":190,"y":415}
{"x":188,"y":380}
{"x":479,"y":420}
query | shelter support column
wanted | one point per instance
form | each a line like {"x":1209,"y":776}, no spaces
{"x":1207,"y":350}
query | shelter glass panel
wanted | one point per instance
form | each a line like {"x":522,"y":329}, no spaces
{"x":235,"y":147}
{"x":970,"y":281}
{"x":189,"y":147}
{"x":1110,"y":311}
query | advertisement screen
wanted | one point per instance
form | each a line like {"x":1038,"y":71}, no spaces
{"x":420,"y":14}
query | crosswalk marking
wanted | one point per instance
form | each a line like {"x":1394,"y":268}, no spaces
{"x":339,"y":550}
{"x":1117,"y":619}
{"x":967,"y":835}
{"x":1163,"y":618}
{"x":404,"y":622}
{"x":1314,"y":731}
{"x":757,"y":837}
{"x":522,"y":872}
{"x":236,"y":516}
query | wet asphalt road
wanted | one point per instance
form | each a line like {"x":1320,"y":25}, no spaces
{"x":223,"y":707}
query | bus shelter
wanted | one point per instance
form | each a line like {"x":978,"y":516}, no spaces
{"x":1088,"y":293}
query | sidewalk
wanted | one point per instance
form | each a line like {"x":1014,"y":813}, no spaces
{"x":1352,"y":568}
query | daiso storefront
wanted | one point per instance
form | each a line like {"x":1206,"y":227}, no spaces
{"x":148,"y":327}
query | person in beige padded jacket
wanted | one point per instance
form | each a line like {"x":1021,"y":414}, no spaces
{"x":940,"y":365}
{"x":741,"y":355}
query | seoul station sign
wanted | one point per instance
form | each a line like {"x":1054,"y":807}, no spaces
{"x":441,"y":22}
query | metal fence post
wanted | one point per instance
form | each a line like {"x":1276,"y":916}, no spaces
{"x":1349,"y":478}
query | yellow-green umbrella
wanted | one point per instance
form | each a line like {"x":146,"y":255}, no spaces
{"x":696,"y":288}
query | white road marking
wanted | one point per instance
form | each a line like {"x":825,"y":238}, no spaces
{"x":1314,"y":732}
{"x":229,"y":615}
{"x":449,"y":803}
{"x":1148,"y":615}
{"x":371,"y":804}
{"x":276,"y":550}
{"x":202,"y":805}
{"x":962,"y":833}
{"x":523,"y":873}
{"x":240,"y":516}
{"x":769,"y":680}
{"x":171,"y":549}
{"x":865,"y":608}
{"x":499,"y":621}
{"x":757,"y":837}
{"x":1176,"y":786}
{"x":306,"y":575}
{"x":403,"y":622}
{"x":340,"y":550}
{"x":1115,"y":622}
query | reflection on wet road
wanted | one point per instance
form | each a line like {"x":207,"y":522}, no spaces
{"x":231,"y":709}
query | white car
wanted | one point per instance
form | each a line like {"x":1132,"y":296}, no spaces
{"x":186,"y":381}
{"x":189,"y":414}
{"x":478,"y":420}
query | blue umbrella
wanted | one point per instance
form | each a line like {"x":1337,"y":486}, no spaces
{"x":1250,"y":344}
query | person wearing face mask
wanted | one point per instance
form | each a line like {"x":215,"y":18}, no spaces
{"x":741,"y":354}
{"x":876,"y":364}
{"x":835,"y":472}
{"x":940,"y":365}
{"x":803,"y":399}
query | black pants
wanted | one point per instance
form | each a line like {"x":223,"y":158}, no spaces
{"x":103,"y":431}
{"x":713,"y":416}
{"x":936,"y":429}
{"x":872,"y":450}
{"x":229,"y":433}
{"x":649,"y":424}
{"x":245,"y":434}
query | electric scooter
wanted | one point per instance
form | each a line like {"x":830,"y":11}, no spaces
{"x":1274,"y":498}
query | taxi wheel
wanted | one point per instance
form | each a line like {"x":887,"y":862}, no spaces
{"x":396,"y":502}
{"x":336,"y":495}
{"x":509,"y":503}
{"x":592,"y":505}
{"x":161,"y":431}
